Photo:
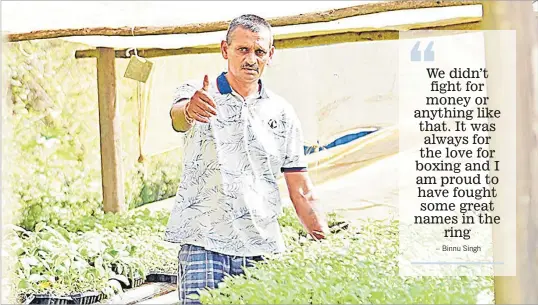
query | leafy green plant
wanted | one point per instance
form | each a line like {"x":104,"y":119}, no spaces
{"x":57,"y":261}
{"x":49,"y":262}
{"x":135,"y":222}
{"x":294,"y":232}
{"x":124,"y":258}
{"x":345,"y":268}
{"x":289,"y":219}
{"x":160,"y":257}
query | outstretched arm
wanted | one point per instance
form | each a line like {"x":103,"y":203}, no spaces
{"x":301,"y":192}
{"x":192,"y":105}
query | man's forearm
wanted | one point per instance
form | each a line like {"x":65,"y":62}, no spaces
{"x":177,"y":114}
{"x":309,"y":215}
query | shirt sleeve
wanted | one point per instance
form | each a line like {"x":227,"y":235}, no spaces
{"x":184,"y":91}
{"x":294,"y":160}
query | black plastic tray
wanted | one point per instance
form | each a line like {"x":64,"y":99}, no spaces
{"x":102,"y":297}
{"x":48,"y":299}
{"x":90,"y":297}
{"x":159,"y":277}
{"x":138,"y":281}
{"x":86,"y":298}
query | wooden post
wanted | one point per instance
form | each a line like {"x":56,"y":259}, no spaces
{"x":519,"y":16}
{"x":109,"y":126}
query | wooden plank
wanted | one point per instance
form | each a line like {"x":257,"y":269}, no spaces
{"x":142,"y":293}
{"x":109,"y":126}
{"x":372,"y":34}
{"x":310,"y":39}
{"x":519,"y":16}
{"x":169,"y":299}
{"x":315,"y":17}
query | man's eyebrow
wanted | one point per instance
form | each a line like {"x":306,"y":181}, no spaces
{"x":258,"y":48}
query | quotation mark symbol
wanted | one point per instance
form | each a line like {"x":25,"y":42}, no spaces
{"x":416,"y":54}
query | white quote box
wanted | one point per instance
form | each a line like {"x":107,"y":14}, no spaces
{"x":435,"y":241}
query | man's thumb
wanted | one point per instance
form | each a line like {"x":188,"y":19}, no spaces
{"x":206,"y":83}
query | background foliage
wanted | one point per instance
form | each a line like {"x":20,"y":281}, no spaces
{"x":54,"y":114}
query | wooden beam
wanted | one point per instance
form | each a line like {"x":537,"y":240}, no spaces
{"x":310,"y":39}
{"x":519,"y":16}
{"x":109,"y":126}
{"x":325,"y":16}
{"x":318,"y":38}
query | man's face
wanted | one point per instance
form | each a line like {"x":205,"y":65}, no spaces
{"x":248,"y":53}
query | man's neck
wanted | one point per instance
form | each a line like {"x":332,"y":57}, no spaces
{"x":243,"y":89}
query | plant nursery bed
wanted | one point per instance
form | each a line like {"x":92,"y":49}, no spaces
{"x":86,"y":298}
{"x":137,"y":282}
{"x":133,"y":283}
{"x":47,"y":299}
{"x":76,"y":298}
{"x":161,"y":277}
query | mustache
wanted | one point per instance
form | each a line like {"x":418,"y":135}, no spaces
{"x":247,"y":66}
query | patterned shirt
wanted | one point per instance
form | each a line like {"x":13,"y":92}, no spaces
{"x":228,"y":199}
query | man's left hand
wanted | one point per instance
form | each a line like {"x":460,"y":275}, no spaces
{"x":302,"y":195}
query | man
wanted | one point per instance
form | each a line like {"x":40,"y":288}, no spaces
{"x":239,"y":138}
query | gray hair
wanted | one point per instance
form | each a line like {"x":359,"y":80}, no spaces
{"x":249,"y":22}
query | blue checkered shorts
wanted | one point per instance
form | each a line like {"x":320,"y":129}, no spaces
{"x":200,"y":268}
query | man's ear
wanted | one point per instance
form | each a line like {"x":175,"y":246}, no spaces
{"x":224,"y":49}
{"x":271,"y":53}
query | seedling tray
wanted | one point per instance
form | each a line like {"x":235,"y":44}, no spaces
{"x":137,"y":282}
{"x":86,"y":298}
{"x":161,"y":277}
{"x":48,"y":299}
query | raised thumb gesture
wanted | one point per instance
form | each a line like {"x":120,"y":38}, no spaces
{"x":201,"y":106}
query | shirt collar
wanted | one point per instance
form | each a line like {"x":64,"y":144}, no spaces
{"x":225,"y":88}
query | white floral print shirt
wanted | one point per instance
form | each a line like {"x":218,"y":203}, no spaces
{"x":228,"y":199}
